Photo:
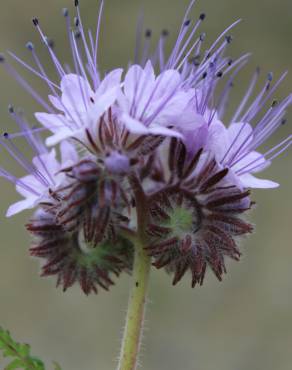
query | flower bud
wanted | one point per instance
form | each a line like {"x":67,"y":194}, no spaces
{"x":77,"y":256}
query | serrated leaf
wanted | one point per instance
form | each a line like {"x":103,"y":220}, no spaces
{"x":15,"y":364}
{"x":23,"y":350}
{"x":20,"y":353}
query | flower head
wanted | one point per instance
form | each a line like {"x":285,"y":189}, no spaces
{"x":197,"y":217}
{"x":79,"y":255}
{"x":155,"y":133}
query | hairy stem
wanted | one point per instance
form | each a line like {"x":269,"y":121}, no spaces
{"x":141,"y":271}
{"x":136,"y":309}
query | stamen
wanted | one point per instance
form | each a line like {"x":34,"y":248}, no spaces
{"x":145,"y":55}
{"x":27,"y":87}
{"x":55,"y":60}
{"x":20,"y":158}
{"x":224,"y":94}
{"x":30,"y":47}
{"x":268,"y":156}
{"x":85,"y":44}
{"x":97,"y":35}
{"x":182,"y":32}
{"x":252,"y":114}
{"x":14,"y":180}
{"x":247,"y":96}
{"x":139,"y":33}
{"x":187,"y":43}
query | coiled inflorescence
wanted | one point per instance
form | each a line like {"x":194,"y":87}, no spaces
{"x":155,"y":132}
{"x":196,"y":218}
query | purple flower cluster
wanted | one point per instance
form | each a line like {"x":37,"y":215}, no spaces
{"x":162,"y":122}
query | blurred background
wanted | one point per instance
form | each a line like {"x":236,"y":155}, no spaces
{"x":244,"y":322}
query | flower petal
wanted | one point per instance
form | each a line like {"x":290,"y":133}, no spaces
{"x":111,"y":80}
{"x":102,"y":105}
{"x":252,"y":162}
{"x":20,"y":206}
{"x":133,"y":125}
{"x":164,"y":131}
{"x":69,"y":154}
{"x":250,"y":181}
{"x":56,"y":102}
{"x":63,"y":134}
{"x":53,"y":122}
{"x":75,"y":89}
{"x":218,"y":142}
{"x":240,"y":135}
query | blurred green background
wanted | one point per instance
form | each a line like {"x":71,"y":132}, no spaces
{"x":244,"y":322}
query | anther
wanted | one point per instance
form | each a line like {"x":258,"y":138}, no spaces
{"x":29,"y":45}
{"x":274,"y":103}
{"x":228,"y":39}
{"x":77,"y":34}
{"x":76,"y":21}
{"x":284,"y":121}
{"x":76,"y":2}
{"x":6,"y":135}
{"x":148,"y":33}
{"x":2,"y":58}
{"x":195,"y":60}
{"x":35,"y":22}
{"x":187,"y":23}
{"x":165,"y":33}
{"x":219,"y":74}
{"x":270,"y":76}
{"x":10,"y":109}
{"x":230,"y":62}
{"x":204,"y":75}
{"x":202,"y":16}
{"x":65,"y":12}
{"x":49,"y":42}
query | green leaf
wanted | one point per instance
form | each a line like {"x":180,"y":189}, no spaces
{"x":15,"y":364}
{"x":20,"y":353}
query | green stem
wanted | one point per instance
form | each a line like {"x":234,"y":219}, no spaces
{"x":136,"y":309}
{"x":141,"y":271}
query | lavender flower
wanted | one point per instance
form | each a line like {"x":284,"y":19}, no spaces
{"x":157,"y":130}
{"x":42,"y":174}
{"x":235,"y":147}
{"x":79,"y":105}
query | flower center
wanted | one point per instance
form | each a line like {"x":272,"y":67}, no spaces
{"x":85,"y":247}
{"x":88,"y":254}
{"x":183,"y":221}
{"x":117,"y":163}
